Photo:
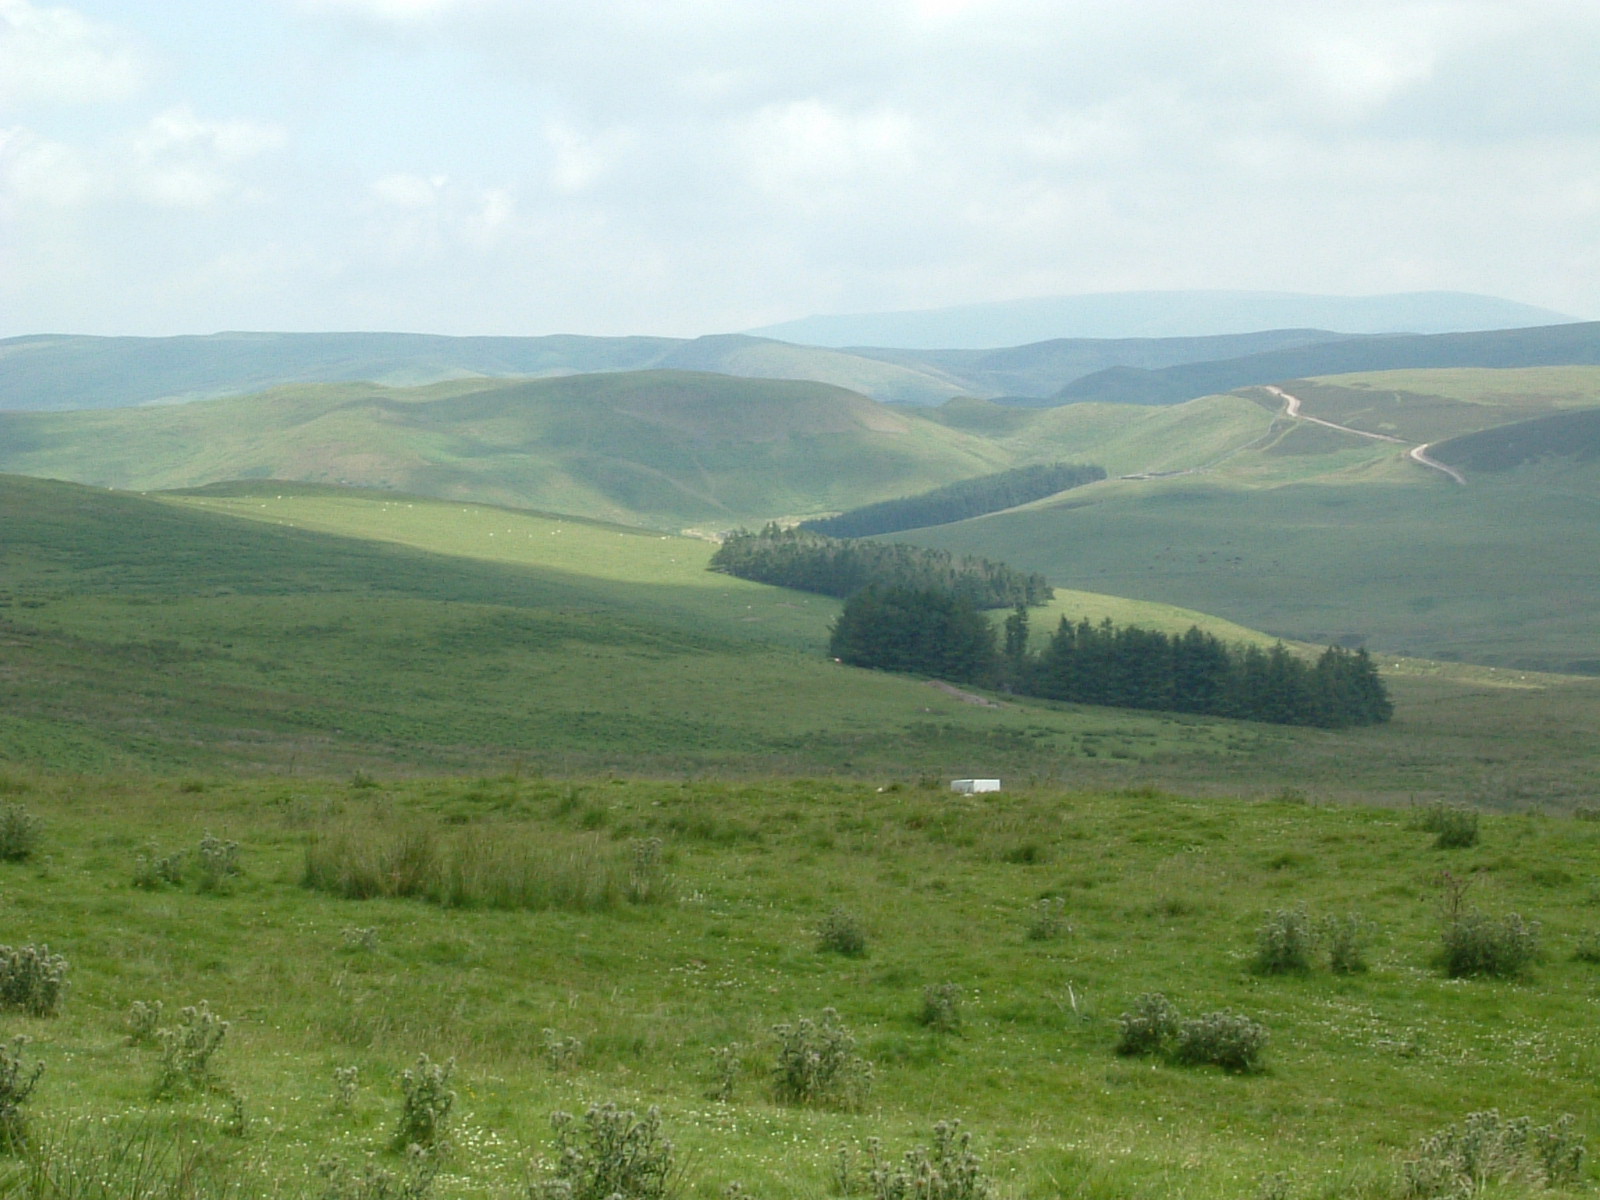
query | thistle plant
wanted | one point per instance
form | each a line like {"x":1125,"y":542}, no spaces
{"x":32,"y":980}
{"x":613,"y":1152}
{"x":426,"y":1101}
{"x":817,"y":1063}
{"x":187,"y":1049}
{"x":18,"y":1077}
{"x":19,"y":833}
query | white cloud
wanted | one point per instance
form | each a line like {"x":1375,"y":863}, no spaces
{"x":38,"y":172}
{"x":182,"y":161}
{"x":56,"y":55}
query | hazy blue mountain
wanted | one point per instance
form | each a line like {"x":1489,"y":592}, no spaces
{"x":1547,"y":346}
{"x":55,"y":373}
{"x":1159,"y":315}
{"x":1036,"y":372}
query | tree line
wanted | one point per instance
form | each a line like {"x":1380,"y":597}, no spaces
{"x":934,"y":633}
{"x":811,"y":562}
{"x":958,"y":501}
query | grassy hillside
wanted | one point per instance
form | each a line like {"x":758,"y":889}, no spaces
{"x":1552,"y":345}
{"x":144,"y":633}
{"x":1323,"y":536}
{"x":666,"y":448}
{"x":1046,"y":912}
{"x":334,"y":630}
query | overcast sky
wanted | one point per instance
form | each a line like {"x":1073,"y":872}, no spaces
{"x":692,"y":166}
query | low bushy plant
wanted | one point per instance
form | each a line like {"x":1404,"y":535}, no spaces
{"x":143,"y":1022}
{"x":1486,"y":1148}
{"x":841,"y":933}
{"x":613,"y":1152}
{"x":1587,"y":948}
{"x":941,"y":1008}
{"x":817,"y":1063}
{"x":560,"y":1053}
{"x":216,"y":862}
{"x":1224,"y":1039}
{"x":371,"y":1181}
{"x":1453,"y":826}
{"x":187,"y":1049}
{"x":32,"y":980}
{"x":1148,"y":1027}
{"x":727,"y":1065}
{"x":19,"y":832}
{"x":346,"y":1085}
{"x":425,"y":1104}
{"x":946,"y":1170}
{"x":18,"y":1077}
{"x":1346,"y":938}
{"x":1048,"y":919}
{"x":1478,"y":944}
{"x":1285,"y":942}
{"x":153,"y":870}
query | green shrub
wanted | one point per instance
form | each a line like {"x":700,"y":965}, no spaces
{"x":941,"y":1008}
{"x":32,"y":980}
{"x":187,"y":1049}
{"x":341,"y":1181}
{"x":1225,"y":1039}
{"x":1346,"y":939}
{"x":726,"y":1067}
{"x":817,"y":1063}
{"x":614,"y":1153}
{"x":18,"y":1078}
{"x":346,"y":1086}
{"x":948,"y":1170}
{"x":1453,"y":827}
{"x":216,"y":862}
{"x":425,"y":1104}
{"x":1587,"y":948}
{"x":152,"y":870}
{"x":560,"y":1053}
{"x":143,"y":1022}
{"x":19,"y":833}
{"x":1285,"y":942}
{"x":1048,"y":919}
{"x":1485,"y":1148}
{"x":841,"y":933}
{"x":1149,"y":1027}
{"x":1477,"y":944}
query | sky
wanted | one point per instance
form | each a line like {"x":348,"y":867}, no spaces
{"x":680,"y":167}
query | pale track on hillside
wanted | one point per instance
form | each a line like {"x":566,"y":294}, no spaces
{"x":1417,"y":454}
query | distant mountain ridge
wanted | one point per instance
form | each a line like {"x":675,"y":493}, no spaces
{"x":1548,"y":346}
{"x":56,"y":373}
{"x":1159,"y":315}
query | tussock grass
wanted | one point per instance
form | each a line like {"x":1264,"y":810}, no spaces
{"x":495,"y":867}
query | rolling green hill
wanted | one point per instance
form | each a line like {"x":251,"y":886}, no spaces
{"x":665,"y":448}
{"x":1552,"y":345}
{"x":278,"y":627}
{"x":1321,"y":535}
{"x":332,"y":630}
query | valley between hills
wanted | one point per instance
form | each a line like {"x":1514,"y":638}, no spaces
{"x":404,"y":725}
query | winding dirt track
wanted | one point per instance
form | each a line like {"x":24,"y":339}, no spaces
{"x":1417,"y":454}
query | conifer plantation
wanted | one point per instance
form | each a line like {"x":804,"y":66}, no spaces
{"x":933,"y":633}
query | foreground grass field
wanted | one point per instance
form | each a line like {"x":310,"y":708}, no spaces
{"x":1048,"y":911}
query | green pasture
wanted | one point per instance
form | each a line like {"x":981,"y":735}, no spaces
{"x":1048,"y":910}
